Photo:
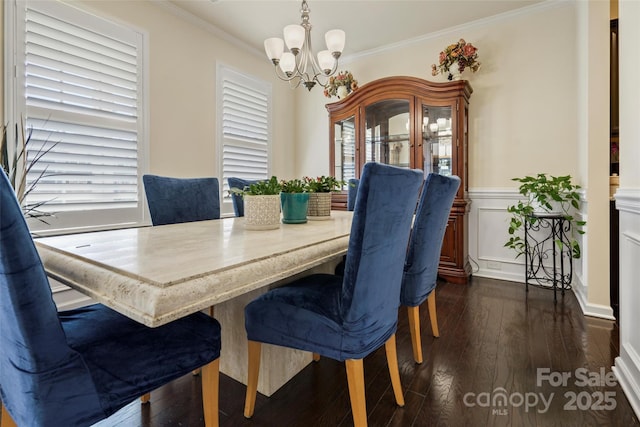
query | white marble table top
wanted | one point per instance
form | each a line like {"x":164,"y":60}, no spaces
{"x":157,"y":274}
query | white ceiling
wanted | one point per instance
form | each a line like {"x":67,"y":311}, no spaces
{"x":369,"y":24}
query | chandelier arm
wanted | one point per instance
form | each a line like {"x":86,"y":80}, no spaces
{"x":282,"y":76}
{"x":309,"y":58}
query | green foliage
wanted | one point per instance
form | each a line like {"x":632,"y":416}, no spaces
{"x":293,"y":186}
{"x":543,"y":189}
{"x":261,"y":188}
{"x":323,"y":184}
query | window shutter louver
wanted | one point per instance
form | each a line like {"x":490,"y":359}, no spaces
{"x":81,"y":91}
{"x":245,"y":130}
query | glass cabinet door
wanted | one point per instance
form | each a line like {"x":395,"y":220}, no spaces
{"x":387,"y":130}
{"x":345,"y":149}
{"x":437,"y":141}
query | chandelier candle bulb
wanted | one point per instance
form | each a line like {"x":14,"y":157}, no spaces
{"x":326,"y":61}
{"x":274,"y":47}
{"x":294,"y":37}
{"x":287,"y":63}
{"x":335,"y":40}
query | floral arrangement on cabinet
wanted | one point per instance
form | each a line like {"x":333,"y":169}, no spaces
{"x":455,"y":58}
{"x":340,"y":85}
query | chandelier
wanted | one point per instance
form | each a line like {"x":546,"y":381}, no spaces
{"x":299,"y":65}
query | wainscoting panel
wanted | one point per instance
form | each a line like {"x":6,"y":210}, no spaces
{"x":488,"y":225}
{"x":488,"y":232}
{"x":627,"y":365}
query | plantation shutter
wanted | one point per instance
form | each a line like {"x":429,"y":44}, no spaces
{"x":245,"y":128}
{"x":82,"y":94}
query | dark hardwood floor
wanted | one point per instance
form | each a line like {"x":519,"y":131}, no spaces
{"x":486,"y":369}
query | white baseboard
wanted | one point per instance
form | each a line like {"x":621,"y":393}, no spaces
{"x":627,"y":383}
{"x":594,"y":310}
{"x":499,"y":275}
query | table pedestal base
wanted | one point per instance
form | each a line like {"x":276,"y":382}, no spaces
{"x":277,"y":364}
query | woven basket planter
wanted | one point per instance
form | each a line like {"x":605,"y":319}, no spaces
{"x":319,"y":206}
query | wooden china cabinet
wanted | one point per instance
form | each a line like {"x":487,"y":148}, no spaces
{"x":413,"y":123}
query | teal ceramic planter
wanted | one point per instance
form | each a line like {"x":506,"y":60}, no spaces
{"x":294,"y":207}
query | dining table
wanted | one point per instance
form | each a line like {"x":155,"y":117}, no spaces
{"x":156,"y":274}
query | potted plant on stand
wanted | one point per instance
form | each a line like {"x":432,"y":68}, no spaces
{"x":546,"y":195}
{"x":320,"y":190}
{"x":294,"y":201}
{"x":261,"y":204}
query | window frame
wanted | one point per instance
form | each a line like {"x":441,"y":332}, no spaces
{"x":15,"y":107}
{"x":223,"y":72}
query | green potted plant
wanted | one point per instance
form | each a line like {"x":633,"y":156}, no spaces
{"x":261,"y":204}
{"x":320,"y":189}
{"x":546,"y":195}
{"x":294,"y":201}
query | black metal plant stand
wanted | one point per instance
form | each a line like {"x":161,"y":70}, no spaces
{"x":548,"y":257}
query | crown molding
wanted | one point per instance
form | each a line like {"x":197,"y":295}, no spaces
{"x":538,"y":7}
{"x":207,"y":26}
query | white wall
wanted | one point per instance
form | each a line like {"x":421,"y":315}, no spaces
{"x":627,"y":365}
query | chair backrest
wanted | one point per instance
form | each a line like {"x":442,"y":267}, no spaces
{"x":423,"y":256}
{"x":238,"y":201}
{"x":175,"y":200}
{"x":377,"y":248}
{"x":39,"y":373}
{"x":352,"y":191}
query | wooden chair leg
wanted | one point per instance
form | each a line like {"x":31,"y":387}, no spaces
{"x":414,"y":329}
{"x":210,"y":393}
{"x":394,"y":372}
{"x":316,"y":357}
{"x":252,"y":378}
{"x":6,"y":420}
{"x":431,"y":301}
{"x":145,"y":398}
{"x":355,"y":379}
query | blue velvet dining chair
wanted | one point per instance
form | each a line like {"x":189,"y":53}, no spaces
{"x":423,"y":255}
{"x":238,"y":201}
{"x":175,"y":200}
{"x":346,"y":317}
{"x":352,"y":191}
{"x":76,"y":367}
